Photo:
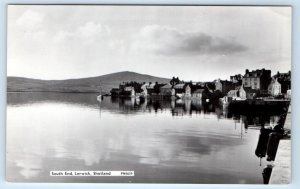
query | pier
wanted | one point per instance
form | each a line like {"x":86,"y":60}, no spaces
{"x":281,"y":173}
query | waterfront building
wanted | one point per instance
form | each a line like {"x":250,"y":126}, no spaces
{"x":166,"y":90}
{"x":129,"y":91}
{"x":198,"y":93}
{"x":288,"y":94}
{"x":180,"y":89}
{"x":283,"y":76}
{"x":247,"y":92}
{"x":144,"y":89}
{"x":210,"y":86}
{"x":236,"y":79}
{"x":115,"y":91}
{"x":154,"y":88}
{"x":188,"y":92}
{"x":224,"y":86}
{"x":150,"y":88}
{"x":274,"y":88}
{"x":196,"y":86}
{"x":201,"y":94}
{"x":184,"y":89}
{"x":233,"y":93}
{"x":285,"y":80}
{"x":127,"y":88}
{"x":257,"y":79}
{"x":132,"y":92}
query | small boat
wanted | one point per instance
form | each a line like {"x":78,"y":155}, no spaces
{"x":100,"y":96}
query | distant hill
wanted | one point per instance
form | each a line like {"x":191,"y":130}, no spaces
{"x":90,"y":84}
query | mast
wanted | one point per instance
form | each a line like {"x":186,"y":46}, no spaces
{"x":99,"y":97}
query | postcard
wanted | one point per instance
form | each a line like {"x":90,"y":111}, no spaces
{"x":148,"y":94}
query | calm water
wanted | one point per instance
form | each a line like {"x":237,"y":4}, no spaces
{"x":162,"y":141}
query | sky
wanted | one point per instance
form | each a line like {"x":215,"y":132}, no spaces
{"x":199,"y":43}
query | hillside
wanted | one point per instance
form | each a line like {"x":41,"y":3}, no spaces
{"x":91,"y":84}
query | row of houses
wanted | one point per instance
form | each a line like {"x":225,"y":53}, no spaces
{"x":250,"y":85}
{"x":182,"y":89}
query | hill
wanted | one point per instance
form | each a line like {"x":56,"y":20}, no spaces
{"x":90,"y":84}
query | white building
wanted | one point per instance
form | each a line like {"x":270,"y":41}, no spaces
{"x":274,"y":88}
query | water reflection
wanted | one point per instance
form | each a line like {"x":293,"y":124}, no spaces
{"x":162,"y":140}
{"x":177,"y":107}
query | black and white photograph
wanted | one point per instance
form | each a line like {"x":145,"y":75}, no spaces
{"x":185,"y":94}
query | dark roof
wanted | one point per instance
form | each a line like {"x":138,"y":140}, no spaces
{"x":274,"y":81}
{"x":115,"y":89}
{"x":282,"y":75}
{"x":167,"y":86}
{"x":257,"y":73}
{"x":199,"y":91}
{"x":150,"y":86}
{"x":225,"y":81}
{"x":179,"y":86}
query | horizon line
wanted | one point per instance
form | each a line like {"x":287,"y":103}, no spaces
{"x":129,"y":72}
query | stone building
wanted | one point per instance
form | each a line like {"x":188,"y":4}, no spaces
{"x":285,"y":80}
{"x":224,"y":86}
{"x":274,"y":88}
{"x":166,"y":90}
{"x":257,"y":80}
{"x":236,"y":79}
{"x":247,"y":93}
{"x":182,"y":90}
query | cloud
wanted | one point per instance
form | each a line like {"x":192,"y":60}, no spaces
{"x":30,"y":20}
{"x":171,"y":41}
{"x":89,"y":32}
{"x":91,"y":29}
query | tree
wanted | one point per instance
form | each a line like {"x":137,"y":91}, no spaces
{"x":156,"y":88}
{"x":174,"y":81}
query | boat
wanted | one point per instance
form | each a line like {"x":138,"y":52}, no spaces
{"x":100,"y":96}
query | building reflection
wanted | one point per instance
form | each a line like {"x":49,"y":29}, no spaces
{"x":181,"y":107}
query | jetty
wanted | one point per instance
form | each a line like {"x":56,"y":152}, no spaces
{"x":281,"y":173}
